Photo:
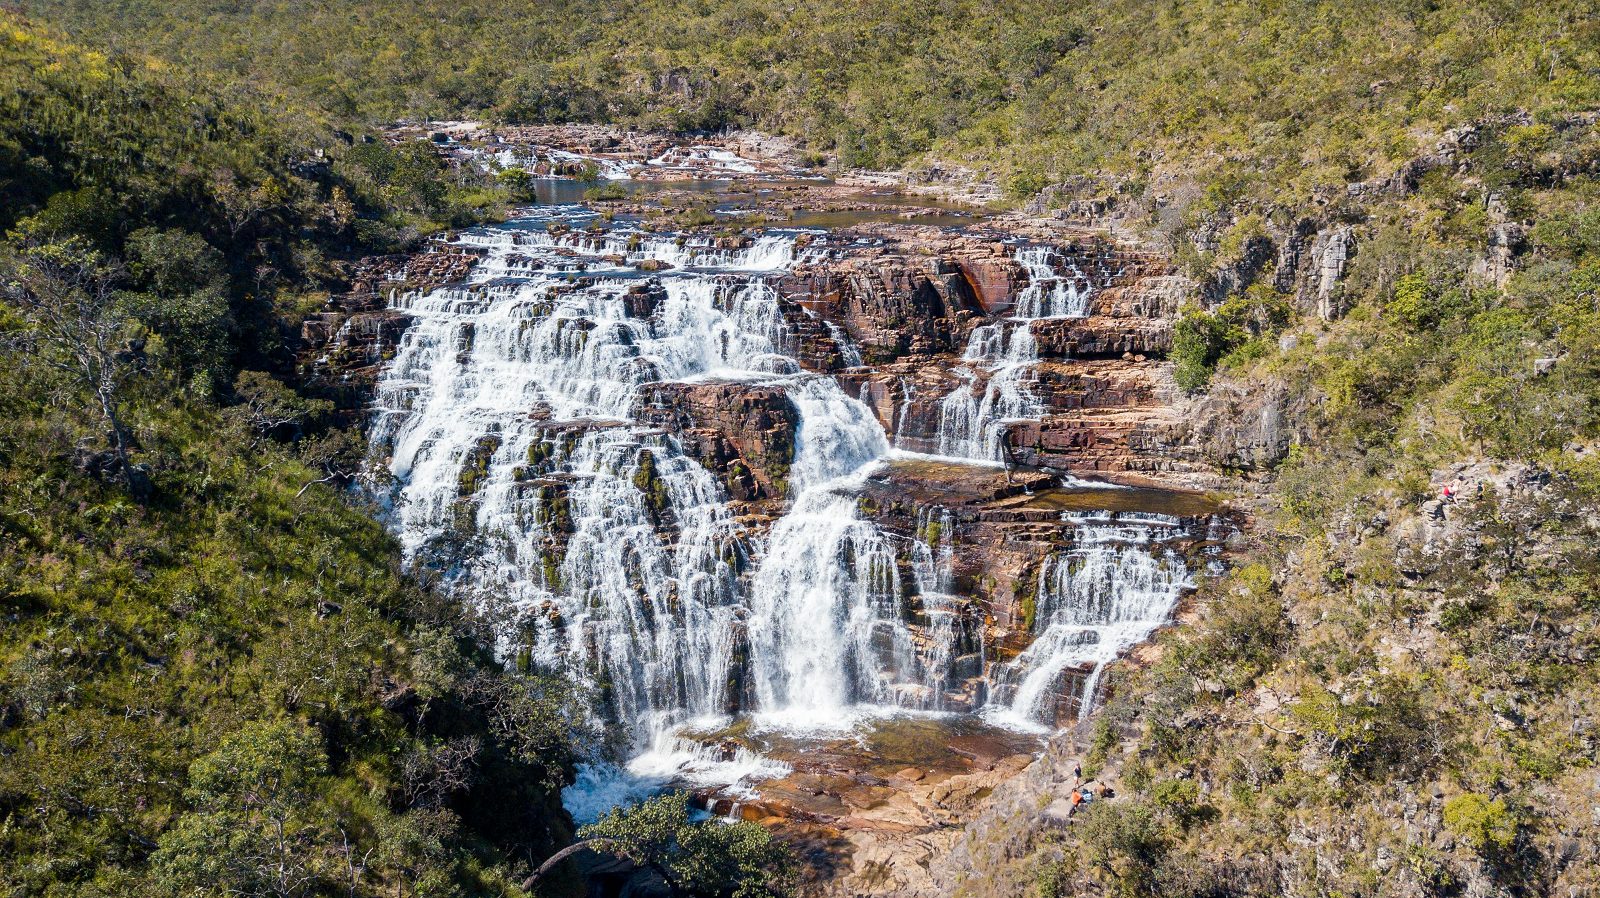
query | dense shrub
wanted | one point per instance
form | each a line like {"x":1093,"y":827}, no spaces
{"x":1037,"y":92}
{"x":214,"y":678}
{"x":1233,"y":334}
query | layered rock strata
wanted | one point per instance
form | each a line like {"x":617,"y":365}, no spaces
{"x":986,"y":556}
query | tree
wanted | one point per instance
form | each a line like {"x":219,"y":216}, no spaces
{"x":241,"y":203}
{"x":181,"y":298}
{"x":338,"y":453}
{"x":79,"y":324}
{"x":1503,"y":402}
{"x":267,"y":406}
{"x":248,"y":833}
{"x":1485,"y":824}
{"x":710,"y":858}
{"x":1201,"y":339}
{"x":1124,"y":846}
{"x":520,"y":183}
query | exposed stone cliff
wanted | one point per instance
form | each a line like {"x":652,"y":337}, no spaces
{"x":892,"y":312}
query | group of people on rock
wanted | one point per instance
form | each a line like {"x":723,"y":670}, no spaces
{"x":1084,"y":793}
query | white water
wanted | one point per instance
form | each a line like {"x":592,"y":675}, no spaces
{"x":974,"y":428}
{"x":601,"y":786}
{"x":1117,"y":585}
{"x":532,"y":377}
{"x":847,"y":347}
{"x":698,"y":162}
{"x":620,"y":556}
{"x":1049,"y":294}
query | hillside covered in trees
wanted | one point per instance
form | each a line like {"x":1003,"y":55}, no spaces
{"x":216,"y":676}
{"x":1292,"y":95}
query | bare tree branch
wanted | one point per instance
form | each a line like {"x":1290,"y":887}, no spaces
{"x":599,"y":846}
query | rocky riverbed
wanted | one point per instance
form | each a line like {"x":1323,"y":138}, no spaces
{"x":964,"y":442}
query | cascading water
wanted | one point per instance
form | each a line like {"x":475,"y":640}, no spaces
{"x":1050,"y":294}
{"x":932,"y":563}
{"x":1118,"y":583}
{"x":507,"y":415}
{"x":847,"y":347}
{"x":973,"y":428}
{"x":827,"y":627}
{"x":510,"y":417}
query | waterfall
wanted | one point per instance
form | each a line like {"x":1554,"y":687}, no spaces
{"x":828,"y":624}
{"x":1049,"y":294}
{"x":974,"y":429}
{"x":935,"y":550}
{"x":479,"y":361}
{"x":526,"y":473}
{"x":818,"y":601}
{"x":1118,"y":583}
{"x":838,"y":436}
{"x":932,"y":564}
{"x":902,"y":419}
{"x":847,"y":347}
{"x":507,"y":418}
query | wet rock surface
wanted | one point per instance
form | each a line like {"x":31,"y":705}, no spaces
{"x":893,"y":313}
{"x":742,"y":432}
{"x":1000,"y":530}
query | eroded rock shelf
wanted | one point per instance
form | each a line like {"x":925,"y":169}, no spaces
{"x":763,"y":477}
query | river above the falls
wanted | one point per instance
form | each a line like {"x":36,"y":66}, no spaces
{"x":617,"y":441}
{"x":784,"y":203}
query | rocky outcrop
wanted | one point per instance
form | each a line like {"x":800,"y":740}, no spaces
{"x":741,"y":432}
{"x":344,"y":352}
{"x":1242,"y":426}
{"x":1329,"y":254}
{"x":999,"y":527}
{"x":420,"y":272}
{"x":910,"y":298}
{"x":994,"y":279}
{"x":907,"y":291}
{"x":1294,"y":251}
{"x":1103,"y":337}
{"x":891,"y":306}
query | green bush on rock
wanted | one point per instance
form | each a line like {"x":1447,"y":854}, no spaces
{"x":1485,"y":824}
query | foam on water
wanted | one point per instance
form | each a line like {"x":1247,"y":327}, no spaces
{"x":507,"y":418}
{"x":973,"y":427}
{"x":1117,"y":584}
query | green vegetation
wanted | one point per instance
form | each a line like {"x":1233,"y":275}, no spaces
{"x":1486,"y":825}
{"x":1232,"y":336}
{"x":610,"y":190}
{"x":278,"y":192}
{"x":1373,"y":652}
{"x":202,"y":652}
{"x":228,"y":686}
{"x":213,"y":677}
{"x":1242,"y":93}
{"x":520,"y":183}
{"x":704,"y":859}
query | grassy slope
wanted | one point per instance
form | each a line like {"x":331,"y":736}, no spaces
{"x":1341,"y":673}
{"x":1361,"y":656}
{"x":1301,"y":93}
{"x":231,"y":686}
